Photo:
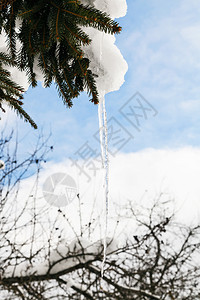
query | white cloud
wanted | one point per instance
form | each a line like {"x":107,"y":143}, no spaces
{"x":175,"y":172}
{"x":192,"y":35}
{"x":141,"y":177}
{"x":190,"y":105}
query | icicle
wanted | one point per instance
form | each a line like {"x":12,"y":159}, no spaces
{"x":101,"y":122}
{"x":104,"y":154}
{"x":105,"y":163}
{"x":106,"y":178}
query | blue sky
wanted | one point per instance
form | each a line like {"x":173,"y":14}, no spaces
{"x":160,"y":42}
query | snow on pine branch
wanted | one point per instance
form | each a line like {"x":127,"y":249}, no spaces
{"x":113,"y":66}
{"x":110,"y":66}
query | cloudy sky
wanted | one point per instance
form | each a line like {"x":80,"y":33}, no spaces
{"x":156,"y":150}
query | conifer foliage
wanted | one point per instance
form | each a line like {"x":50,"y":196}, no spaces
{"x":10,"y":91}
{"x":51,"y":35}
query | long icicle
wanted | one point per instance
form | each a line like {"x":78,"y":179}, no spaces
{"x":101,"y":124}
{"x":106,"y":187}
{"x":105,"y":160}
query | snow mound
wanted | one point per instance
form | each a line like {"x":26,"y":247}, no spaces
{"x":115,"y":8}
{"x":106,"y":59}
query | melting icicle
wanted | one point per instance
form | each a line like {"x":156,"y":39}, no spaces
{"x":105,"y":163}
{"x":104,"y":154}
{"x":101,"y":122}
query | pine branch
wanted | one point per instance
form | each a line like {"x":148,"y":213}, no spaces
{"x":10,"y":92}
{"x":52,"y":33}
{"x":13,"y":103}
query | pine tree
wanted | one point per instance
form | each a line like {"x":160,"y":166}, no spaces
{"x":51,"y":36}
{"x":10,"y":92}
